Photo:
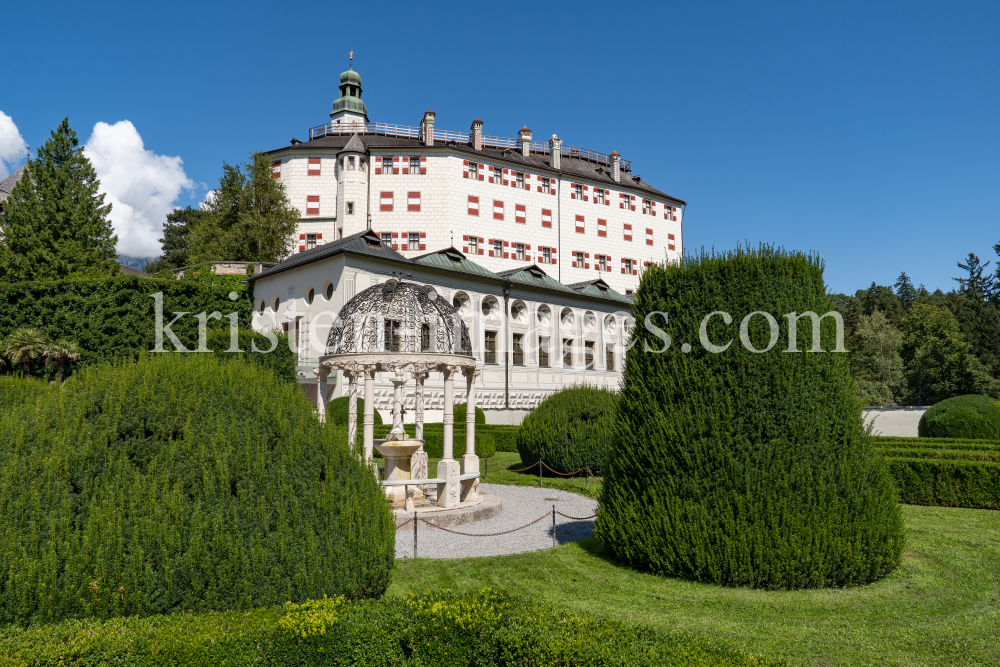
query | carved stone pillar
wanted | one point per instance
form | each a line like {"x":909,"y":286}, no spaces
{"x":352,"y":406}
{"x":470,"y":462}
{"x":449,"y":411}
{"x":369,"y":422}
{"x":449,"y":492}
{"x":418,"y":405}
{"x":398,"y":380}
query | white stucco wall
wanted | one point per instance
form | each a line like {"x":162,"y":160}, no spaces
{"x":899,"y":422}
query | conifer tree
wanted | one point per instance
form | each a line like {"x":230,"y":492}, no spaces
{"x":176,"y":234}
{"x":249,"y":218}
{"x":905,"y":290}
{"x":56,"y":221}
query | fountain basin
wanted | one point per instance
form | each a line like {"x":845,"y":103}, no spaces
{"x":398,"y":455}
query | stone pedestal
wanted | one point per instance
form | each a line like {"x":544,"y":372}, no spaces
{"x":398,"y":455}
{"x":449,"y":493}
{"x":470,"y":487}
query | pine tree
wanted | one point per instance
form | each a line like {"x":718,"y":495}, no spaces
{"x":976,"y":284}
{"x":905,"y":290}
{"x":176,"y":236}
{"x":56,"y":222}
{"x":248,"y":219}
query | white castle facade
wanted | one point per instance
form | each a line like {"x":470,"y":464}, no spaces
{"x":539,"y":245}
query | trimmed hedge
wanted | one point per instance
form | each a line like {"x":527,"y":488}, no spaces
{"x":460,"y":413}
{"x":442,"y":629}
{"x":179,"y":482}
{"x":970,"y":416}
{"x":280,"y":360}
{"x":569,"y":430}
{"x":434,"y":438}
{"x":742,"y":468}
{"x":947,"y":482}
{"x":111,"y":318}
{"x":337,"y":413}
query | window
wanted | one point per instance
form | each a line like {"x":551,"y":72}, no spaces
{"x":413,"y":241}
{"x":385,"y":201}
{"x":474,"y":170}
{"x":598,"y":196}
{"x":546,"y":255}
{"x":312,"y":205}
{"x":577,"y":191}
{"x":473,"y":206}
{"x":350,"y":163}
{"x":497,"y":210}
{"x":291,"y":329}
{"x":518,"y":349}
{"x":276,"y":169}
{"x":350,"y":208}
{"x":415,"y":165}
{"x":578,"y":262}
{"x":310,"y":241}
{"x":627,"y":266}
{"x":645,"y":207}
{"x":588,"y":355}
{"x":543,"y":352}
{"x":490,"y":348}
{"x":473,"y":245}
{"x":519,"y":179}
{"x":546,"y":217}
{"x":392,"y":335}
{"x":545,"y":186}
{"x":567,"y":353}
{"x":520,"y":251}
{"x":497,"y":175}
{"x":314,"y":165}
{"x":387,"y":161}
{"x":498,"y":248}
{"x":579,"y":224}
{"x":602,"y":262}
{"x":310,"y":296}
{"x":628,"y":292}
{"x":425,"y":337}
{"x":412,"y":201}
{"x":387,"y":238}
{"x":609,"y":357}
{"x":329,"y":291}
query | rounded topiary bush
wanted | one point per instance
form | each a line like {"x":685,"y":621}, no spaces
{"x":569,"y":430}
{"x":486,"y":445}
{"x":336,"y":412}
{"x":460,"y":413}
{"x":972,"y":416}
{"x":744,"y":468}
{"x":179,"y":482}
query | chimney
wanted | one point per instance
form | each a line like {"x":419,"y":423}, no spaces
{"x":427,"y":128}
{"x":555,"y":152}
{"x":525,"y":136}
{"x":616,"y":166}
{"x":476,"y":139}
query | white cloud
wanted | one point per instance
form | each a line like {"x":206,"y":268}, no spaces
{"x":12,"y":145}
{"x":141,"y":185}
{"x":209,"y":198}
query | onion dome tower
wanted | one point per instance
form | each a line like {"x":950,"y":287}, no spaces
{"x":348,"y":108}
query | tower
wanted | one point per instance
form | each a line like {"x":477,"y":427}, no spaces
{"x":348,"y":108}
{"x":352,"y":188}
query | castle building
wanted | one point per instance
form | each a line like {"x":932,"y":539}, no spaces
{"x":538,"y":246}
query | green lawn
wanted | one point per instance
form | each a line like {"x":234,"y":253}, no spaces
{"x":501,"y":464}
{"x":941,"y":607}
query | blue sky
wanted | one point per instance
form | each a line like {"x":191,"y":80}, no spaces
{"x":865,"y":131}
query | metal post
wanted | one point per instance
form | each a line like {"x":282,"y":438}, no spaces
{"x":539,"y":472}
{"x":588,"y":475}
{"x":553,"y":526}
{"x":415,"y":522}
{"x":487,"y":470}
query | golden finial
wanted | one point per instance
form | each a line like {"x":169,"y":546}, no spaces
{"x":352,"y":60}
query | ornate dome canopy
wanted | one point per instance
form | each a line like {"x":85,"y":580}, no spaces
{"x":398,"y":318}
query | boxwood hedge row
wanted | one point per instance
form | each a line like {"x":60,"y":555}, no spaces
{"x":181,"y":482}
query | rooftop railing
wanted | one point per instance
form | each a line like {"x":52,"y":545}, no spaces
{"x":391,"y":130}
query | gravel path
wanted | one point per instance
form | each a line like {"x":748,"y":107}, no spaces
{"x":521,"y":505}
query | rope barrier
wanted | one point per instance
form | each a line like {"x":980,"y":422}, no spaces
{"x":404,"y":523}
{"x":564,"y":474}
{"x":576,"y":518}
{"x":512,"y":530}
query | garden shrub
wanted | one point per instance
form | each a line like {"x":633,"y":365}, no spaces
{"x":739,"y":468}
{"x":337,"y":412}
{"x":971,"y":416}
{"x":274,"y":356}
{"x":460,"y":413}
{"x":486,"y":445}
{"x":947,"y":482}
{"x":569,"y":430}
{"x":487,"y":629}
{"x":179,"y":482}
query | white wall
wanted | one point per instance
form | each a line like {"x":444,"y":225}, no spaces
{"x":899,"y":422}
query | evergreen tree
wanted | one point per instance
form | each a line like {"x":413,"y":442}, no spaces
{"x":879,"y":368}
{"x":880,"y":297}
{"x":976,"y":285}
{"x":176,"y":235}
{"x":56,"y":222}
{"x":905,"y":291}
{"x":248,"y":219}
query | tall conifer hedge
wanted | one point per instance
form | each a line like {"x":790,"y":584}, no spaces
{"x":740,"y":468}
{"x":180,"y":482}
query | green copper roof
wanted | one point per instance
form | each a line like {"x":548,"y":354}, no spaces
{"x":599,"y":289}
{"x":350,"y":95}
{"x":453,"y":260}
{"x":533,"y":276}
{"x":350,"y":76}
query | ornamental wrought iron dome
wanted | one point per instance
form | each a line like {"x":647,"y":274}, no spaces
{"x":398,"y":318}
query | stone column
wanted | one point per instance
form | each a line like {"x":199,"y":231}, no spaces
{"x":352,"y":406}
{"x":398,"y":380}
{"x":449,"y":491}
{"x":322,"y":372}
{"x":418,"y":405}
{"x":470,"y":462}
{"x":369,"y":412}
